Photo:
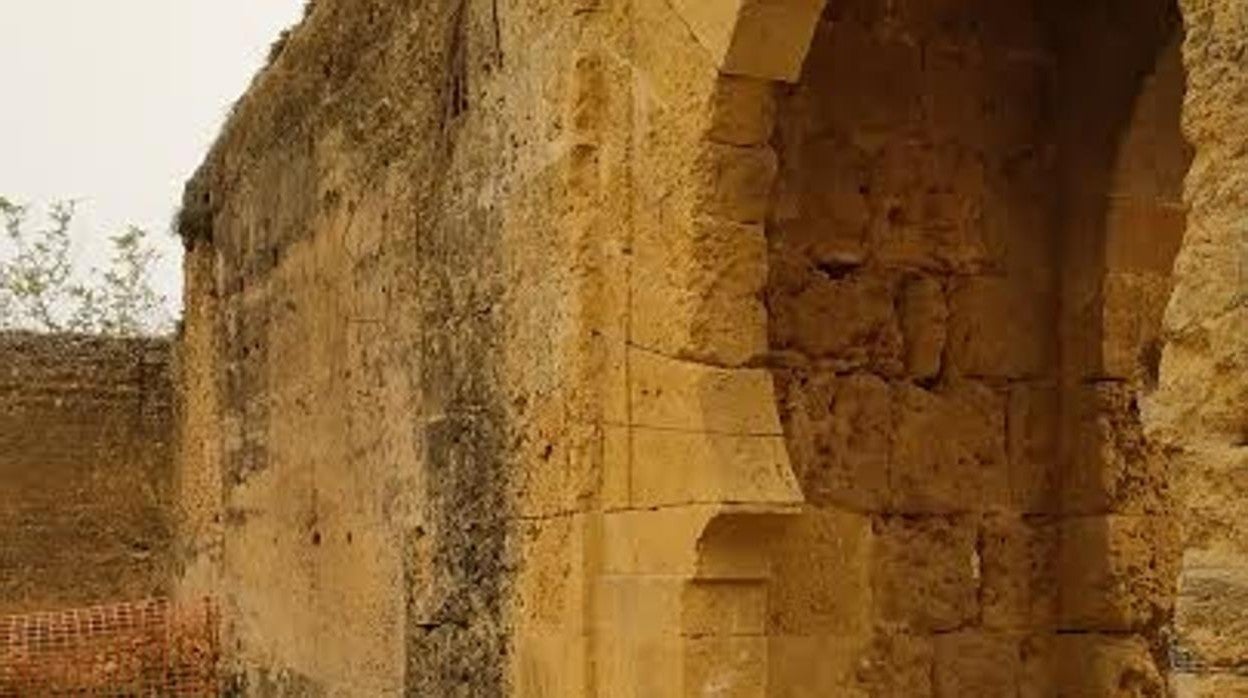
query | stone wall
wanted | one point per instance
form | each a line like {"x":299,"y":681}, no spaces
{"x":1198,"y":412}
{"x":86,"y":470}
{"x":970,"y":246}
{"x":616,"y":348}
{"x":913,"y":295}
{"x":375,"y":351}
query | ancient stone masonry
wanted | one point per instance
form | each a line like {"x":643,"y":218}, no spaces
{"x":1198,"y":414}
{"x":780,"y":348}
{"x":86,"y":470}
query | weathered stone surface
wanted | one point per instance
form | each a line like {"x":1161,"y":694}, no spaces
{"x":927,"y":572}
{"x":1117,"y":572}
{"x":948,"y":455}
{"x":86,"y":470}
{"x":586,"y":279}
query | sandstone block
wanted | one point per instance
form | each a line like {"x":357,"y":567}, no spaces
{"x":815,"y":666}
{"x":1209,"y":685}
{"x":975,"y":664}
{"x":725,"y":608}
{"x":549,"y":664}
{"x":674,"y":467}
{"x":840,"y":436}
{"x":924,"y":323}
{"x":1211,"y":618}
{"x":616,"y":467}
{"x":820,"y":575}
{"x":734,"y":183}
{"x":1143,"y":237}
{"x":886,"y":89}
{"x":926,"y":571}
{"x":550,"y":586}
{"x":1116,"y":572}
{"x":1102,"y":665}
{"x":948,"y":452}
{"x":1134,"y":304}
{"x":673,"y":394}
{"x":822,"y":202}
{"x":929,"y":208}
{"x":743,"y":111}
{"x":758,"y":38}
{"x":1019,"y":579}
{"x":897,"y":665}
{"x":849,"y":322}
{"x":733,"y":667}
{"x":698,"y":291}
{"x":558,"y":469}
{"x":1000,"y":327}
{"x":1112,"y":467}
{"x":1032,"y":423}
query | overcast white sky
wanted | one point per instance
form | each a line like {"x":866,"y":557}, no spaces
{"x":114,"y":103}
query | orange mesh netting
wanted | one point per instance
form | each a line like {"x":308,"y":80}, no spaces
{"x":145,"y":648}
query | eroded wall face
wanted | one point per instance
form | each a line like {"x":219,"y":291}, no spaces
{"x":86,"y":469}
{"x":1124,"y":160}
{"x":913,"y":302}
{"x":970,"y":248}
{"x":1199,"y":413}
{"x":379,"y":236}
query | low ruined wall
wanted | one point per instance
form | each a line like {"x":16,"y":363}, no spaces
{"x":85,"y":470}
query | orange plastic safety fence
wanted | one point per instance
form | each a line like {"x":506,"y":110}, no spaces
{"x":141,"y":649}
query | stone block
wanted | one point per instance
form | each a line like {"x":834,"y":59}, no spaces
{"x":734,"y":183}
{"x":1116,"y":572}
{"x":996,"y":106}
{"x":697,"y":292}
{"x":839,"y":438}
{"x":1208,"y":685}
{"x":653,"y":542}
{"x":551,"y":585}
{"x":1143,"y":237}
{"x":1106,"y":665}
{"x":885,"y":90}
{"x":820,"y":575}
{"x":1019,"y":575}
{"x":732,"y":667}
{"x":557,"y":469}
{"x":928,"y":207}
{"x":682,"y":395}
{"x":849,"y":322}
{"x":632,"y":663}
{"x":1037,"y":666}
{"x":616,"y":467}
{"x":725,"y":608}
{"x":1032,"y":424}
{"x":976,"y":664}
{"x":1001,"y":327}
{"x":926,"y":571}
{"x":1211,"y":618}
{"x":743,"y":111}
{"x":1111,"y":466}
{"x":924,"y":325}
{"x":822,"y":208}
{"x":549,"y":664}
{"x":639,"y":606}
{"x":815,"y":666}
{"x":674,"y":467}
{"x":897,"y":665}
{"x":1131,"y":317}
{"x":948,"y":452}
{"x":759,"y":38}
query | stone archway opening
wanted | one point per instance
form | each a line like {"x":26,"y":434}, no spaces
{"x":969,"y":243}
